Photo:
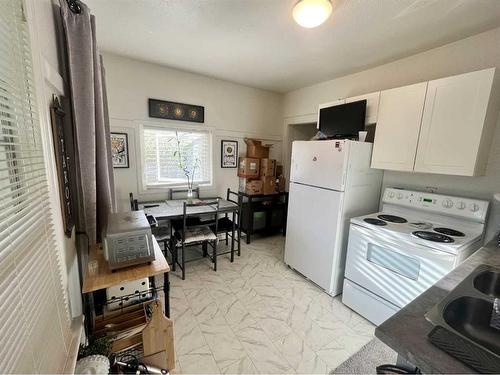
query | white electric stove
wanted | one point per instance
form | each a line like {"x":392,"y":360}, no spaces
{"x":396,"y":254}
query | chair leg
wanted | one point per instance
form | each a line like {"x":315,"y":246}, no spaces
{"x":173,"y":249}
{"x":226,"y":238}
{"x":215,"y":255}
{"x":239,"y":242}
{"x":183,"y":257}
{"x":232,"y":245}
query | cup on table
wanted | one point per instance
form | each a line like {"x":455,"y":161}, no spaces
{"x":362,"y":135}
{"x":93,"y":267}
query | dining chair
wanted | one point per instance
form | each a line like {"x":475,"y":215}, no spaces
{"x":181,"y":193}
{"x":230,"y":226}
{"x":195,"y":234}
{"x":161,"y":231}
{"x":162,"y":234}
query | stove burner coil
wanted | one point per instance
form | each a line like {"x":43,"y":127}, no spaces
{"x":433,"y":236}
{"x":393,"y":218}
{"x":374,"y":221}
{"x":449,"y":232}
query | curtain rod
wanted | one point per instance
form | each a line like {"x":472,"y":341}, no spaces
{"x":74,"y":6}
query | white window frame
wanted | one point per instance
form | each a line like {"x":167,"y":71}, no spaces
{"x":169,"y":125}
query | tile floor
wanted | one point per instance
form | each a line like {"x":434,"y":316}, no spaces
{"x":257,"y":316}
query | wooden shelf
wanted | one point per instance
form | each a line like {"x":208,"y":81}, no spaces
{"x":104,"y":278}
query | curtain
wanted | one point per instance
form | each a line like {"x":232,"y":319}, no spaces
{"x":94,"y":173}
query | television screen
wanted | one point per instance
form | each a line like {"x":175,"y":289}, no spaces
{"x":342,"y":121}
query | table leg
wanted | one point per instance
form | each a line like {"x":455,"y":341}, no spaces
{"x":204,"y":248}
{"x":250,"y":220}
{"x":166,"y":292}
{"x":232,"y":236}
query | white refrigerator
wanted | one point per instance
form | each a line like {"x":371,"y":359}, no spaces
{"x":330,"y":182}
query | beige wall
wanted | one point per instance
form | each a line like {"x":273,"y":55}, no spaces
{"x":233,"y":112}
{"x":474,"y":53}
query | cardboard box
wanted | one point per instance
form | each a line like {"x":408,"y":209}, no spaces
{"x":256,"y":150}
{"x":281,"y":184}
{"x":267,"y":167}
{"x":249,"y":168}
{"x":268,"y":185}
{"x":251,"y":187}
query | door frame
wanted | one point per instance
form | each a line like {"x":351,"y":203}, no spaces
{"x":287,"y":143}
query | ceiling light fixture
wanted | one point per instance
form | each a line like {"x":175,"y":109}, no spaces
{"x":312,"y":13}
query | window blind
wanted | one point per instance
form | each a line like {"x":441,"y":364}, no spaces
{"x":163,"y":163}
{"x":34,"y":314}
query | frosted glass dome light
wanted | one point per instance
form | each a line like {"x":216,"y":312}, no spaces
{"x":312,"y":13}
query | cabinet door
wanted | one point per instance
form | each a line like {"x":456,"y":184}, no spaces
{"x":453,"y":122}
{"x":398,"y":125}
{"x":372,"y":101}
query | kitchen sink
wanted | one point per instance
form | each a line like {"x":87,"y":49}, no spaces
{"x":471,"y":317}
{"x":488,"y":282}
{"x":467,"y":320}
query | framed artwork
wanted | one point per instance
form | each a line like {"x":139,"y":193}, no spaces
{"x":63,"y":139}
{"x":119,"y":150}
{"x":229,"y":154}
{"x":176,"y":111}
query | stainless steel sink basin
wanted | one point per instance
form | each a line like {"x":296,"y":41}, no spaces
{"x":471,"y":317}
{"x":488,"y":282}
{"x":467,"y":320}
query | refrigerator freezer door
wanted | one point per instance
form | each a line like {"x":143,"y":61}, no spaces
{"x":312,"y":227}
{"x":319,"y":163}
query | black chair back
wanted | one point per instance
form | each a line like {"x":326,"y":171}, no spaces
{"x":189,"y":210}
{"x":134,"y":205}
{"x":181,"y":193}
{"x":236,"y":198}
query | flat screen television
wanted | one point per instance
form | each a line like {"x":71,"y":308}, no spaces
{"x":342,"y":121}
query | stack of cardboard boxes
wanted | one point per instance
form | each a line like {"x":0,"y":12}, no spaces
{"x":258,"y":174}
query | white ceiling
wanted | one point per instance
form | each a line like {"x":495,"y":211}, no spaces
{"x":256,"y":42}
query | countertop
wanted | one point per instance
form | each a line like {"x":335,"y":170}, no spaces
{"x":103,"y":277}
{"x":406,"y":332}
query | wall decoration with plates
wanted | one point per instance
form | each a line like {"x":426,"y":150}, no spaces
{"x":176,"y":111}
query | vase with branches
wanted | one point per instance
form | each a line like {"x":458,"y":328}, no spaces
{"x":186,"y":164}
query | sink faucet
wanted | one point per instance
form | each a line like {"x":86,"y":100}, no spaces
{"x":495,"y":315}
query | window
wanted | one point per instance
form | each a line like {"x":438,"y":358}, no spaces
{"x":171,"y":153}
{"x":35,"y":321}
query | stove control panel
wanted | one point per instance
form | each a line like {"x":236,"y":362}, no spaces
{"x":472,"y":209}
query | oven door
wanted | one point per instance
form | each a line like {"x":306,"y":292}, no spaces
{"x":394,"y":270}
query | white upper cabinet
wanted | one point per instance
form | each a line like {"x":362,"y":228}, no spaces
{"x":372,"y":102}
{"x":457,"y":125}
{"x":398,"y":126}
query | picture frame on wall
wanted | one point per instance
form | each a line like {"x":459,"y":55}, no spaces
{"x":176,"y":111}
{"x":63,"y":139}
{"x":119,"y":150}
{"x":229,"y":154}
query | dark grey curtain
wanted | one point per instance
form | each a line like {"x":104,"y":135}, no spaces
{"x":94,"y":173}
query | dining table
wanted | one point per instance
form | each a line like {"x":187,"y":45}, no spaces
{"x":168,"y":210}
{"x":174,"y":209}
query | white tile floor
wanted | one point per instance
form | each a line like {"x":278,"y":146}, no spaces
{"x":257,"y":316}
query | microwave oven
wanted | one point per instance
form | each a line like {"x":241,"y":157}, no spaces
{"x":128,"y":240}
